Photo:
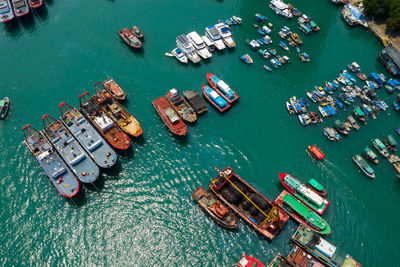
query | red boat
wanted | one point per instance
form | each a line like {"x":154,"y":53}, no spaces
{"x":35,"y":3}
{"x":167,"y":113}
{"x":248,"y":261}
{"x":222,"y":88}
{"x":315,"y":152}
{"x":103,"y":124}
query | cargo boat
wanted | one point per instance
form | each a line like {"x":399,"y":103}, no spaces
{"x":169,"y":116}
{"x":104,"y":125}
{"x":129,"y":37}
{"x":4,"y":106}
{"x":214,"y":208}
{"x":222,"y":88}
{"x":382,"y":149}
{"x":6,"y":11}
{"x":70,"y":150}
{"x":303,"y":193}
{"x":363,"y":165}
{"x":116,"y":111}
{"x":391,"y":143}
{"x":94,"y":145}
{"x":280,"y":261}
{"x":317,"y":187}
{"x":321,"y":249}
{"x":301,"y":213}
{"x":195,"y":100}
{"x":183,"y":109}
{"x":301,"y":258}
{"x":253,"y":207}
{"x":114,"y":89}
{"x":248,"y":261}
{"x":58,"y":173}
{"x":215,"y":99}
{"x":315,"y":152}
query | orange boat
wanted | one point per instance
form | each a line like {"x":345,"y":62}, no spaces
{"x":167,"y":113}
{"x":104,"y":125}
{"x":114,"y":89}
{"x":116,"y":111}
{"x":315,"y":152}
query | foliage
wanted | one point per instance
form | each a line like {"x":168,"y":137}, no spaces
{"x":384,"y":9}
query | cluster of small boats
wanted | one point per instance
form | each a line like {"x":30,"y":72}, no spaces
{"x":353,"y":16}
{"x":82,"y":141}
{"x":10,"y":9}
{"x":299,"y":106}
{"x":133,"y":37}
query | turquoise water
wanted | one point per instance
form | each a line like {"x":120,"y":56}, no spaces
{"x":143,"y":214}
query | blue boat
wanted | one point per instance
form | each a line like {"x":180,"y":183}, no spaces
{"x":305,"y":102}
{"x":397,"y":130}
{"x":328,"y":90}
{"x":272,"y":61}
{"x":234,"y":22}
{"x":298,"y":49}
{"x":260,"y":18}
{"x":277,"y":62}
{"x":376,"y":78}
{"x":286,"y":28}
{"x":252,"y":43}
{"x":339,"y":103}
{"x":70,"y":150}
{"x":267,"y":68}
{"x":215,"y":99}
{"x":58,"y":173}
{"x":372,"y":85}
{"x":222,"y":88}
{"x":246,"y":59}
{"x":264,"y":41}
{"x":260,"y":42}
{"x":394,"y":83}
{"x":261,"y":31}
{"x":396,"y":105}
{"x":272,"y":51}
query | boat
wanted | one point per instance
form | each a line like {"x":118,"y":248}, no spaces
{"x":58,"y":173}
{"x":260,"y":18}
{"x":246,"y":59}
{"x":316,"y":117}
{"x":226,"y":35}
{"x":313,"y":26}
{"x":382,"y":149}
{"x":180,"y":105}
{"x":273,"y":63}
{"x":199,"y":45}
{"x":248,"y":261}
{"x":104,"y":125}
{"x":6,"y":11}
{"x":253,"y":44}
{"x":214,"y":208}
{"x":341,"y":128}
{"x":210,"y":44}
{"x":301,"y":258}
{"x":4,"y":106}
{"x":290,"y":108}
{"x":359,"y":114}
{"x":267,"y":68}
{"x":303,"y":193}
{"x":128,"y":36}
{"x":279,"y":261}
{"x":280,"y":8}
{"x":304,"y":28}
{"x":283,"y":45}
{"x":215,"y":99}
{"x":302,"y":119}
{"x":195,"y":101}
{"x":21,"y":7}
{"x":353,"y":122}
{"x":138,"y":33}
{"x":238,"y":19}
{"x":397,"y":130}
{"x":362,"y":76}
{"x":317,"y":187}
{"x":179,"y":55}
{"x":70,"y":150}
{"x":391,"y":143}
{"x":222,"y":88}
{"x":116,"y":111}
{"x":389,"y":89}
{"x":93,"y":144}
{"x":253,"y":207}
{"x":321,"y":249}
{"x":302,"y":213}
{"x":114,"y":89}
{"x":182,"y":41}
{"x":363,"y":165}
{"x":304,"y":57}
{"x":315,"y":152}
{"x":322,"y":111}
{"x":370,"y":155}
{"x":215,"y":37}
{"x":295,"y":37}
{"x":169,"y":116}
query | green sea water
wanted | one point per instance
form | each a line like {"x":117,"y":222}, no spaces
{"x":141,"y":212}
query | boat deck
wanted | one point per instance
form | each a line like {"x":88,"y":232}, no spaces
{"x":195,"y":100}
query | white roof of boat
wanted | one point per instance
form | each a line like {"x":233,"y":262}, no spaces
{"x":3,"y":3}
{"x":195,"y":38}
{"x":207,"y":40}
{"x":214,"y":94}
{"x":279,"y":4}
{"x":326,"y":247}
{"x":224,"y":86}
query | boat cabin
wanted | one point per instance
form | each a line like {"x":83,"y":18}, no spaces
{"x":390,"y":58}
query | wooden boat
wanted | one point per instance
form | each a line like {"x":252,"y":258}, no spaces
{"x":391,"y":143}
{"x":301,"y":258}
{"x":183,"y":109}
{"x":214,"y":208}
{"x":317,"y":187}
{"x":129,"y":37}
{"x":315,"y":152}
{"x":114,"y":89}
{"x":169,"y":116}
{"x":248,"y":261}
{"x":4,"y":106}
{"x":215,"y":99}
{"x":35,"y":3}
{"x":222,"y":88}
{"x":195,"y":100}
{"x":116,"y":111}
{"x":103,"y":124}
{"x":246,"y":59}
{"x":280,"y":261}
{"x":138,"y":33}
{"x":253,"y":207}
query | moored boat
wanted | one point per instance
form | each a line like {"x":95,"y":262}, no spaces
{"x":391,"y":142}
{"x":180,"y":105}
{"x":281,"y":8}
{"x":222,"y":88}
{"x":364,"y":166}
{"x":248,"y":261}
{"x":340,"y":127}
{"x":315,"y":152}
{"x":382,"y":149}
{"x":299,"y":257}
{"x":359,"y":114}
{"x":129,"y":37}
{"x":114,"y":89}
{"x":183,"y":42}
{"x":179,"y":55}
{"x":169,"y":116}
{"x":396,"y":167}
{"x":317,"y":187}
{"x":214,"y":98}
{"x":246,"y":59}
{"x":370,"y":155}
{"x":353,"y":122}
{"x":21,"y":7}
{"x":4,"y":106}
{"x":6,"y":11}
{"x":138,"y":33}
{"x":279,"y":261}
{"x":195,"y":100}
{"x":35,"y":3}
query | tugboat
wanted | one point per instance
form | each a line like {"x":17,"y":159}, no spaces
{"x":129,"y":37}
{"x":169,"y":116}
{"x":341,"y":128}
{"x":303,"y":193}
{"x":87,"y":136}
{"x":315,"y":152}
{"x":195,"y":100}
{"x":116,"y":111}
{"x":248,"y":261}
{"x":317,"y":187}
{"x":222,"y":88}
{"x":70,"y":150}
{"x":380,"y":147}
{"x":104,"y":125}
{"x":301,"y":213}
{"x":138,"y":33}
{"x":58,"y":173}
{"x":370,"y":155}
{"x":214,"y":208}
{"x":215,"y":99}
{"x":391,"y":143}
{"x":114,"y":89}
{"x":4,"y":105}
{"x":248,"y":203}
{"x":183,"y":109}
{"x":363,"y":165}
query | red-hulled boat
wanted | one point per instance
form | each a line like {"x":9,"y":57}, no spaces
{"x":167,"y":113}
{"x":222,"y":88}
{"x":315,"y":152}
{"x":103,"y":124}
{"x":248,"y":261}
{"x":35,"y":3}
{"x":253,"y":207}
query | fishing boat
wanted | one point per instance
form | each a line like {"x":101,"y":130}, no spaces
{"x":195,"y":101}
{"x":267,"y":68}
{"x":301,"y":258}
{"x":302,"y":213}
{"x":370,"y":155}
{"x":222,"y":88}
{"x":179,"y":55}
{"x":253,"y":44}
{"x":215,"y":99}
{"x":4,"y":106}
{"x":116,"y":111}
{"x":94,"y":145}
{"x":114,"y":89}
{"x":359,"y":114}
{"x":246,"y":59}
{"x":138,"y":33}
{"x":341,"y":128}
{"x":248,"y":261}
{"x":389,"y":89}
{"x":248,"y":203}
{"x":363,"y":165}
{"x":129,"y":37}
{"x":315,"y":117}
{"x":214,"y":208}
{"x":362,"y":76}
{"x":315,"y":152}
{"x":21,"y":7}
{"x":183,"y":42}
{"x":58,"y":173}
{"x":290,"y":108}
{"x":103,"y":124}
{"x":70,"y":150}
{"x":280,"y":8}
{"x":6,"y":11}
{"x":295,"y":37}
{"x":321,"y":249}
{"x":313,"y":26}
{"x":183,"y":109}
{"x":283,"y":45}
{"x":215,"y":37}
{"x":382,"y":149}
{"x":260,"y":18}
{"x":391,"y":143}
{"x":303,"y":193}
{"x":199,"y":45}
{"x":169,"y":116}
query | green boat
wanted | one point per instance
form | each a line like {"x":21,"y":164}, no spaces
{"x":382,"y":149}
{"x":370,"y":155}
{"x":391,"y":142}
{"x":4,"y":104}
{"x":301,"y":213}
{"x":317,"y":187}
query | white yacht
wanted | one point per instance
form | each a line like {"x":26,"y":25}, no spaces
{"x":6,"y":11}
{"x":210,"y":44}
{"x":187,"y":48}
{"x":280,"y":8}
{"x":214,"y":35}
{"x":225,"y":34}
{"x":199,"y":44}
{"x":178,"y":54}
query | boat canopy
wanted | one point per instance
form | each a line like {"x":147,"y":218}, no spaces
{"x":326,"y":248}
{"x":171,"y":115}
{"x":359,"y":112}
{"x":379,"y":144}
{"x":2,"y":102}
{"x":315,"y":184}
{"x":391,"y":140}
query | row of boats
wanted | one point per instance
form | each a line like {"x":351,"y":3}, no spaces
{"x":74,"y":147}
{"x":9,"y":9}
